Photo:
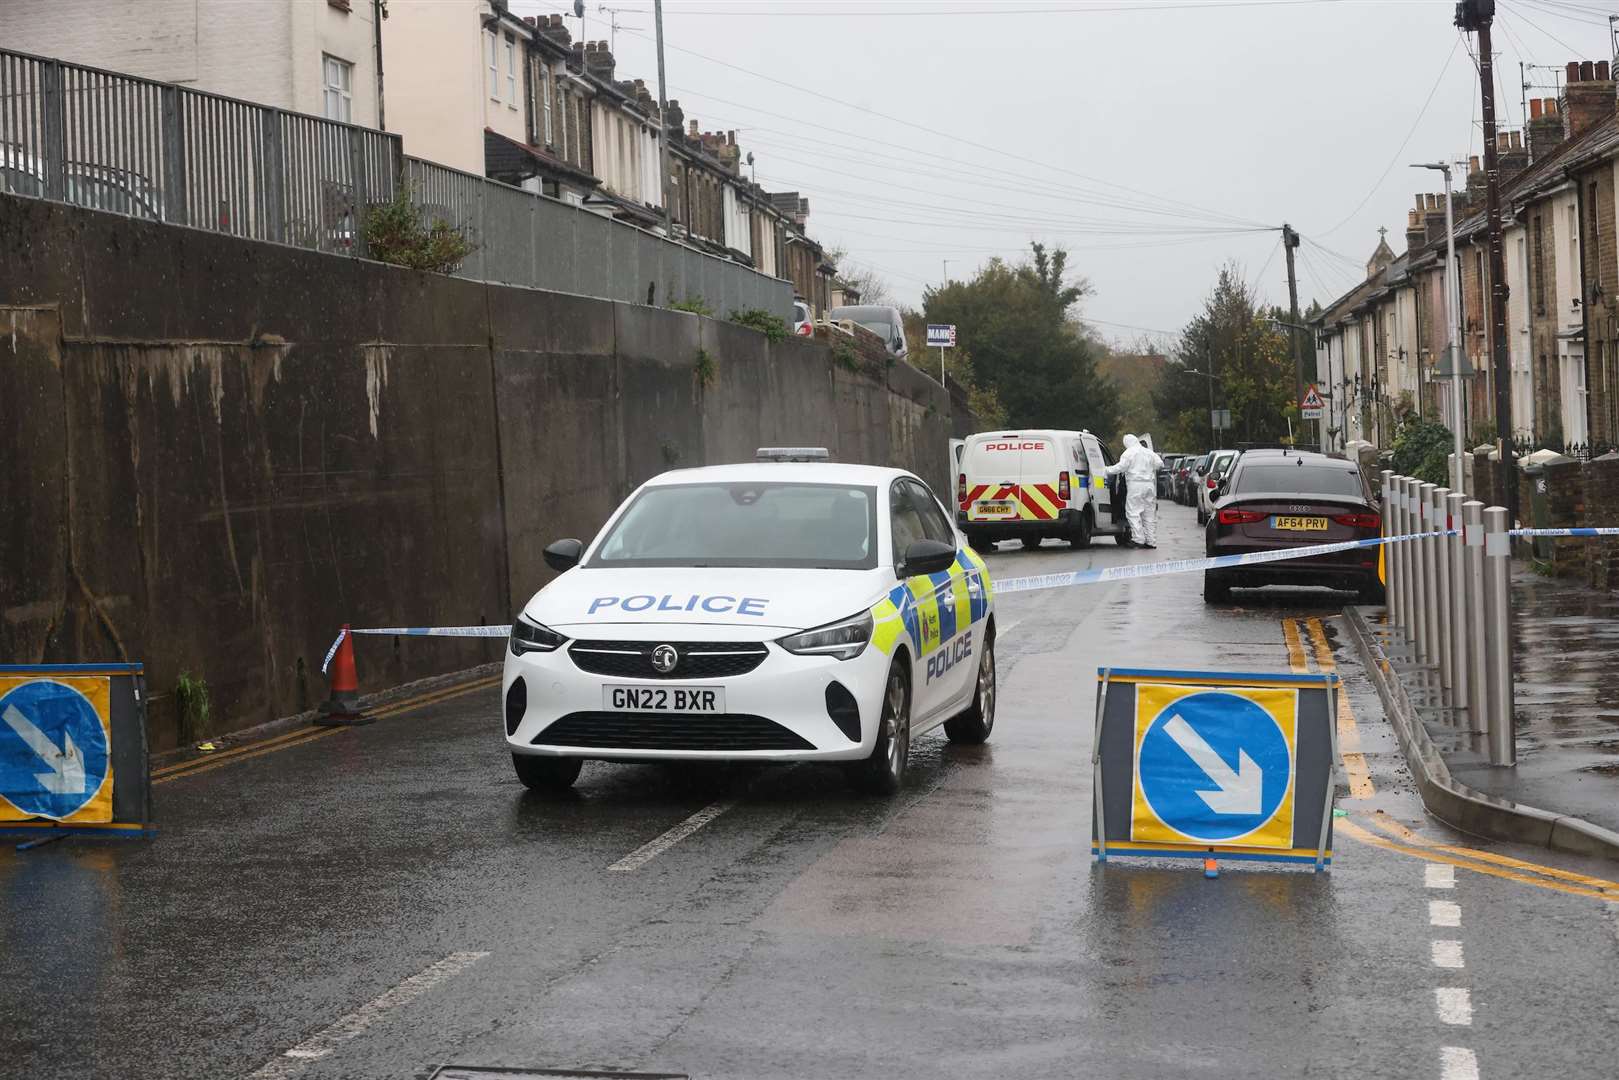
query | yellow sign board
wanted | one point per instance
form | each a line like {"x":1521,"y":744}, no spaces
{"x":1214,"y":765}
{"x":56,"y":748}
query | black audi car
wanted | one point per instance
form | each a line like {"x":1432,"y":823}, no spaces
{"x":1276,"y":499}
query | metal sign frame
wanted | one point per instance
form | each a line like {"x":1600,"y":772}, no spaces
{"x":128,"y":761}
{"x":1323,"y":751}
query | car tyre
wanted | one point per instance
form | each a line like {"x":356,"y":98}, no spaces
{"x":1202,"y":518}
{"x":1216,"y":588}
{"x":547,"y":773}
{"x":883,"y":773}
{"x":1031,"y":542}
{"x":973,"y":726}
{"x":1080,"y":536}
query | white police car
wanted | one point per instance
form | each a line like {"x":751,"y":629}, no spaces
{"x":772,"y":611}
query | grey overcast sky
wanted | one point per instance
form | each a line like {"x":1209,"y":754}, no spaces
{"x":1138,"y":135}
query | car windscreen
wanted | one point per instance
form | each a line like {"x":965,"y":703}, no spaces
{"x":879,"y":320}
{"x":832,"y":526}
{"x":1299,"y":479}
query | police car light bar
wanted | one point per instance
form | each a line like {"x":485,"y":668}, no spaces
{"x":791,"y":453}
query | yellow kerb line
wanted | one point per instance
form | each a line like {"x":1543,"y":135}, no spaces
{"x":1434,"y":855}
{"x":1295,"y":650}
{"x":1394,"y":828}
{"x":1360,"y":777}
{"x":310,"y":734}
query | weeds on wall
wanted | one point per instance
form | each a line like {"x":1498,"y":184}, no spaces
{"x":771,"y":326}
{"x":191,"y":703}
{"x":694,"y":304}
{"x":844,"y":356}
{"x":703,"y":369}
{"x":396,"y":232}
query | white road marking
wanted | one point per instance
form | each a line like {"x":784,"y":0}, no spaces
{"x":1448,"y":954}
{"x":1455,"y":1005}
{"x":324,"y":1042}
{"x":1439,"y":876}
{"x":1444,"y":913}
{"x":1457,"y":1063}
{"x":655,"y":847}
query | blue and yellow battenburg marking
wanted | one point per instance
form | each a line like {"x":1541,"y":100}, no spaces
{"x":933,"y":609}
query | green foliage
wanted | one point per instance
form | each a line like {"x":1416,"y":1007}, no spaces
{"x":759,"y":319}
{"x":191,"y":703}
{"x":1422,"y":449}
{"x":1253,"y":364}
{"x":694,"y":304}
{"x":703,"y":369}
{"x":844,"y":355}
{"x":1020,"y":346}
{"x":396,"y":232}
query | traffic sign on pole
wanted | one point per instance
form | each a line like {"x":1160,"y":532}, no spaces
{"x":1310,"y":407}
{"x":1198,"y":763}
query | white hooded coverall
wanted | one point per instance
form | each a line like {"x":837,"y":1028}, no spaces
{"x":1140,"y":468}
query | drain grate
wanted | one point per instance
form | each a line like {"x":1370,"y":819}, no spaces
{"x":479,"y":1072}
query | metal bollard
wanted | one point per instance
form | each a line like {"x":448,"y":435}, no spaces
{"x":1402,"y":488}
{"x":1459,"y":619}
{"x":1473,"y":580}
{"x":1389,"y":594}
{"x":1503,"y":738}
{"x":1441,"y":590}
{"x":1428,"y":613}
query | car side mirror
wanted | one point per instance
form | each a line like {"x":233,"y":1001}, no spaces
{"x":564,"y":554}
{"x":927,"y":557}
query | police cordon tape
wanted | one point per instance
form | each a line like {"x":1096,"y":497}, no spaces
{"x":1127,"y":572}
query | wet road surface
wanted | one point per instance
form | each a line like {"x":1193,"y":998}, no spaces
{"x":388,"y":899}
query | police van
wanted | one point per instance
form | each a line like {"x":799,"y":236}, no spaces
{"x":784,"y":610}
{"x":1038,"y":485}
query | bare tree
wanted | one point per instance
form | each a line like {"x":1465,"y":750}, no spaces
{"x":872,"y":286}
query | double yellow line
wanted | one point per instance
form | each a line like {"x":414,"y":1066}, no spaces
{"x":1401,"y":839}
{"x":309,"y":734}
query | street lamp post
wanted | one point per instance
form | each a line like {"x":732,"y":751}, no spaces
{"x":1452,"y":313}
{"x":663,"y":122}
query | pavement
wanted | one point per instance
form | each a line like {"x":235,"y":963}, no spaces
{"x":375,"y":902}
{"x":1566,"y":713}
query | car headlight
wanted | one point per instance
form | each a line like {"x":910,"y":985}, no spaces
{"x":529,"y":636}
{"x":845,"y":639}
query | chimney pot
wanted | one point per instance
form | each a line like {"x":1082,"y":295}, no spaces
{"x":1517,"y":140}
{"x":1571,"y":73}
{"x":556,"y":20}
{"x":695,"y":130}
{"x":1534,"y":109}
{"x":1472,"y":164}
{"x":730,"y":138}
{"x":1552,"y":107}
{"x":1433,"y":202}
{"x":1502,"y":141}
{"x":1602,"y":72}
{"x":1587,"y":71}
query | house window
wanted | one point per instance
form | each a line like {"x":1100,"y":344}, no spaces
{"x":494,"y":67}
{"x":511,"y":73}
{"x":337,"y":77}
{"x":545,"y":100}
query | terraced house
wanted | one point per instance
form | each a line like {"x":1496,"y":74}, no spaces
{"x":1379,"y":344}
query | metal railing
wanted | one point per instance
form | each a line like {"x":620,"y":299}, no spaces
{"x":167,"y":153}
{"x":152,"y":150}
{"x":523,"y":238}
{"x":1450,"y":600}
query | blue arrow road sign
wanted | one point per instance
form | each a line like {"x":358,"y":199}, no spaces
{"x":1214,"y":766}
{"x":53,"y":749}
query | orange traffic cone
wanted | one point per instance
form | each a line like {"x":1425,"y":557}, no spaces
{"x":343,"y":707}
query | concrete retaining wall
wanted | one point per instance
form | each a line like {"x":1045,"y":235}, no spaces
{"x":217,"y":451}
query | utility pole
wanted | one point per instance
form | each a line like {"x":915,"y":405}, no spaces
{"x":663,"y":123}
{"x":1290,"y":241}
{"x":1475,"y":16}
